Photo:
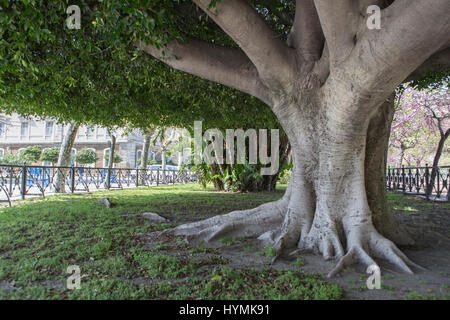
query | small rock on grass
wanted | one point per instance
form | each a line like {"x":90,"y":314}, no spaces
{"x":153,"y":217}
{"x":106,"y":202}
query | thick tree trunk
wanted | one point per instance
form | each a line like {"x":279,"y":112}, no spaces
{"x":335,"y":203}
{"x":64,"y":157}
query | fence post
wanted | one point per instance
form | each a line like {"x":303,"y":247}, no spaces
{"x":403,"y":179}
{"x":137,"y":177}
{"x":389,"y":178}
{"x":10,"y":181}
{"x":72,"y":178}
{"x":24,"y":181}
{"x":427,"y":174}
{"x":157,"y":177}
{"x":410,"y":180}
{"x":417,"y":180}
{"x":438,"y":191}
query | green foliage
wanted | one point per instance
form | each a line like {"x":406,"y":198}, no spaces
{"x":299,"y":262}
{"x":50,"y":155}
{"x":97,"y":75}
{"x":117,"y":158}
{"x":86,"y":156}
{"x":270,"y":252}
{"x":30,"y":154}
{"x":285,"y":174}
{"x":229,"y":283}
{"x":12,"y":159}
{"x":202,"y":173}
{"x":240,"y":177}
{"x":245,"y":177}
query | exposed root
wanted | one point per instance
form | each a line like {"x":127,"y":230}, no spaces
{"x":298,"y":219}
{"x":377,"y":245}
{"x":237,"y":224}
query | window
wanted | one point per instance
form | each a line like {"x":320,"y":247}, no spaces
{"x":138,"y":157}
{"x":90,"y":130}
{"x":24,"y":129}
{"x":105,"y":152}
{"x":92,"y":165}
{"x":2,"y":128}
{"x":49,"y":128}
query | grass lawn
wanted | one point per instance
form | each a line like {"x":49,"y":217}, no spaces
{"x":40,"y":238}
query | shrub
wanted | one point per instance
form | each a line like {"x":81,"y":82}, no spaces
{"x":30,"y":154}
{"x":117,"y":158}
{"x":86,"y":156}
{"x":50,"y":155}
{"x":12,"y":159}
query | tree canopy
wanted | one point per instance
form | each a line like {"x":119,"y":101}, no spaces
{"x":97,"y":75}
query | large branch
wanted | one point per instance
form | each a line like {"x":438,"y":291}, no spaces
{"x":307,"y":35}
{"x":226,"y":66}
{"x":340,"y":22}
{"x":438,"y":60}
{"x":271,"y":56}
{"x":411,"y":32}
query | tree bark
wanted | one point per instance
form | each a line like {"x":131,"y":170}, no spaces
{"x":163,"y":164}
{"x":64,"y":157}
{"x":144,"y":158}
{"x":110,"y":160}
{"x":437,"y":156}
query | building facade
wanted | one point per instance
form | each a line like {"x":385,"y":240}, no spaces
{"x":17,"y":133}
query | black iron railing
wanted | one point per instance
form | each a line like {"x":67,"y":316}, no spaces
{"x":418,"y":180}
{"x":16,"y":182}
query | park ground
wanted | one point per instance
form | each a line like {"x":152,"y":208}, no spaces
{"x":122,"y":257}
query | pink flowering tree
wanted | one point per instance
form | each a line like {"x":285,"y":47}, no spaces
{"x":420,"y":128}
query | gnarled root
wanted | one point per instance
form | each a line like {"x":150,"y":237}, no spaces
{"x":236,"y":224}
{"x":366,"y":241}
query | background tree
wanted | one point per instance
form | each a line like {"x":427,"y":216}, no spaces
{"x":117,"y":158}
{"x":436,"y":104}
{"x":111,"y":155}
{"x":30,"y":154}
{"x":86,"y":156}
{"x":50,"y":155}
{"x":12,"y":159}
{"x":64,"y":158}
{"x":420,"y":122}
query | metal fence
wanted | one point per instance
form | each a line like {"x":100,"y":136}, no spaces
{"x":415,"y":180}
{"x":17,"y":182}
